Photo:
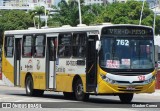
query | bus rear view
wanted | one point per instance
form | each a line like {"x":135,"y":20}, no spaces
{"x":126,"y":61}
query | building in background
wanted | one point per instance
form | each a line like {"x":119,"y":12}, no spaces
{"x":90,"y":2}
{"x":27,"y":3}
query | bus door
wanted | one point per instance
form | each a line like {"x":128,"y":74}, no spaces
{"x":51,"y":61}
{"x":17,"y":61}
{"x":91,"y":77}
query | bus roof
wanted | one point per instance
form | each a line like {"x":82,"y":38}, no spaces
{"x":66,"y":29}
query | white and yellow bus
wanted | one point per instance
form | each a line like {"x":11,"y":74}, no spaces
{"x":79,"y":61}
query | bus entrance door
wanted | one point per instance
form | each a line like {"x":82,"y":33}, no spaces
{"x":51,"y":61}
{"x":91,"y":77}
{"x":17,"y":61}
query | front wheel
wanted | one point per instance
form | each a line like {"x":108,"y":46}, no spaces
{"x":79,"y":92}
{"x":126,"y":98}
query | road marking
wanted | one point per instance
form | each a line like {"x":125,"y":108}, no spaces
{"x":23,"y":100}
{"x":5,"y":97}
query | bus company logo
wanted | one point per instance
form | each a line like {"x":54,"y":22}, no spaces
{"x":38,"y":65}
{"x":29,"y":65}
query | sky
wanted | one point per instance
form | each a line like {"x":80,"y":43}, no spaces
{"x":1,"y":2}
{"x":56,"y":2}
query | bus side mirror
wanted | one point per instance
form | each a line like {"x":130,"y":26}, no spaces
{"x":98,"y":45}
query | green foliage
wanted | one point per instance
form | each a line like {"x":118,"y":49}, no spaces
{"x":38,"y":10}
{"x":157,"y":25}
{"x":67,"y":14}
{"x":14,"y":20}
{"x":116,"y":13}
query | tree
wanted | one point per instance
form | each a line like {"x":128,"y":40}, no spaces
{"x":116,"y":13}
{"x":67,"y":13}
{"x":157,"y":25}
{"x":14,"y":20}
{"x":32,"y":13}
{"x":39,"y":10}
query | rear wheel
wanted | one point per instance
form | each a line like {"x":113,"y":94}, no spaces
{"x":79,"y":92}
{"x":126,"y":98}
{"x":29,"y":86}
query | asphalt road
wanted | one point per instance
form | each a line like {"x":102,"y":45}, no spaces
{"x":16,"y":98}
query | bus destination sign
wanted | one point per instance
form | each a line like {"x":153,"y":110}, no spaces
{"x":127,"y":31}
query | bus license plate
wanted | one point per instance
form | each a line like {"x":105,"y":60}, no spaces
{"x":130,"y":88}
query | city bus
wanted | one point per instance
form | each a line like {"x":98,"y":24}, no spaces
{"x":105,"y":59}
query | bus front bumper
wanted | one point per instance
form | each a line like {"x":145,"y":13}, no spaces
{"x":107,"y":88}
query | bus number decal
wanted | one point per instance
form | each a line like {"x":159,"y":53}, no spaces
{"x":71,"y":63}
{"x":123,"y":42}
{"x":141,"y":78}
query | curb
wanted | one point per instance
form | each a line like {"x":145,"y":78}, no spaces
{"x":2,"y":83}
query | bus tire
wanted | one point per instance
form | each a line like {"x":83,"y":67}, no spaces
{"x":126,"y":98}
{"x":79,"y":92}
{"x":29,"y":86}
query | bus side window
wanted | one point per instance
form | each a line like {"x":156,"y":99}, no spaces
{"x":39,"y":46}
{"x":27,"y":46}
{"x":79,"y":42}
{"x":9,"y":46}
{"x":64,"y":47}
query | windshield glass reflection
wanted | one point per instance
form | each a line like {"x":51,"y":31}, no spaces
{"x":126,"y":53}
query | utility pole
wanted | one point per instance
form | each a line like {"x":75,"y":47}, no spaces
{"x":154,"y":22}
{"x":141,"y":13}
{"x":46,"y":13}
{"x":155,"y":14}
{"x":79,"y":7}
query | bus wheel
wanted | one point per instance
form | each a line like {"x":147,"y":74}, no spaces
{"x":79,"y":93}
{"x":29,"y":86}
{"x":126,"y":98}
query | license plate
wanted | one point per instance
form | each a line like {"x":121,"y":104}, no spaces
{"x":130,"y":88}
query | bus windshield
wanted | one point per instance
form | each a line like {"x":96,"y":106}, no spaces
{"x":127,"y":53}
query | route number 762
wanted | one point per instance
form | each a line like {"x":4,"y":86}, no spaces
{"x":123,"y":42}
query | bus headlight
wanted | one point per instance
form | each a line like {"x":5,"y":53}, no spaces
{"x":149,"y":80}
{"x":107,"y":79}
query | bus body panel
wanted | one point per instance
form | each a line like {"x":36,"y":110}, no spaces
{"x":66,"y":70}
{"x":66,"y":85}
{"x":7,"y":70}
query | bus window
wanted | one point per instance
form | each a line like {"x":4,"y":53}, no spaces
{"x":27,"y":46}
{"x":64,"y":48}
{"x":79,"y":42}
{"x":9,"y":44}
{"x":39,"y":46}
